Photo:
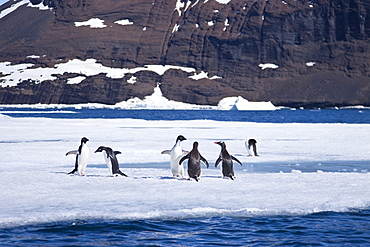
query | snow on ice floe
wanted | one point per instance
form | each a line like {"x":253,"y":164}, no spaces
{"x":93,"y":23}
{"x":41,"y":191}
{"x":241,"y":104}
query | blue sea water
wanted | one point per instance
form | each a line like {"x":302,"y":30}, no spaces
{"x":350,"y":228}
{"x":348,"y":116}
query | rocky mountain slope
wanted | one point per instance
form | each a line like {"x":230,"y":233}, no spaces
{"x":293,"y":53}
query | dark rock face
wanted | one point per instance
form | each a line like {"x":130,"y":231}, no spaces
{"x":226,"y":40}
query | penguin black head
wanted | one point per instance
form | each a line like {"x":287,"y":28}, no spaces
{"x":221,"y":143}
{"x":84,"y":140}
{"x":195,"y":145}
{"x":100,"y":149}
{"x":180,"y":138}
{"x":252,"y":142}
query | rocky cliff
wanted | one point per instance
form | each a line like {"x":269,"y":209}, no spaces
{"x":293,"y":53}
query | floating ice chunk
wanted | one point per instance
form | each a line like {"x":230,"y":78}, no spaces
{"x":157,"y":101}
{"x":93,"y":23}
{"x":268,"y":66}
{"x":241,"y":104}
{"x":124,"y":22}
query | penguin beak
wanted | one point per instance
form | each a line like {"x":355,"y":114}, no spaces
{"x":217,"y":143}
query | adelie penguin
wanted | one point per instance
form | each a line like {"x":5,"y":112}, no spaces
{"x":176,"y":153}
{"x":251,"y":146}
{"x":111,"y":160}
{"x":194,"y":162}
{"x":227,"y":161}
{"x":82,"y":156}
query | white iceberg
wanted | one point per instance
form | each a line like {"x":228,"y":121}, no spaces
{"x":241,"y":104}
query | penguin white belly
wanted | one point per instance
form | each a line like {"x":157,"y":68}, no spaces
{"x":249,"y":149}
{"x":109,"y":163}
{"x":176,"y":154}
{"x":82,"y":160}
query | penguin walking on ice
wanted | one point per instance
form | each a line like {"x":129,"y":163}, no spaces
{"x":251,"y":146}
{"x":111,"y":160}
{"x":194,"y":162}
{"x":227,"y":161}
{"x":176,"y":153}
{"x":82,"y":156}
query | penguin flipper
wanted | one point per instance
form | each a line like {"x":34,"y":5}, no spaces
{"x":184,"y":158}
{"x":232,"y":157}
{"x":204,"y":161}
{"x":76,"y":166}
{"x":72,"y":152}
{"x":166,"y":152}
{"x":185,"y":152}
{"x":218,"y":161}
{"x":117,"y":152}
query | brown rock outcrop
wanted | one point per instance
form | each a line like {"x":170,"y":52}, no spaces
{"x":226,"y":40}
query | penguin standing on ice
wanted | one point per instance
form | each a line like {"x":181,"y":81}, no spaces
{"x":251,"y":146}
{"x":82,"y":156}
{"x":111,"y":160}
{"x":176,"y":153}
{"x":227,"y":161}
{"x":194,"y":162}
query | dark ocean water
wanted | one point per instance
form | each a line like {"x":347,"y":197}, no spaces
{"x":350,"y":116}
{"x":351,"y":228}
{"x":320,"y":229}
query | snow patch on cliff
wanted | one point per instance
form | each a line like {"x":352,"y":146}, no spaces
{"x":124,"y":22}
{"x":223,"y":1}
{"x":14,"y":74}
{"x":264,"y":66}
{"x":93,"y":23}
